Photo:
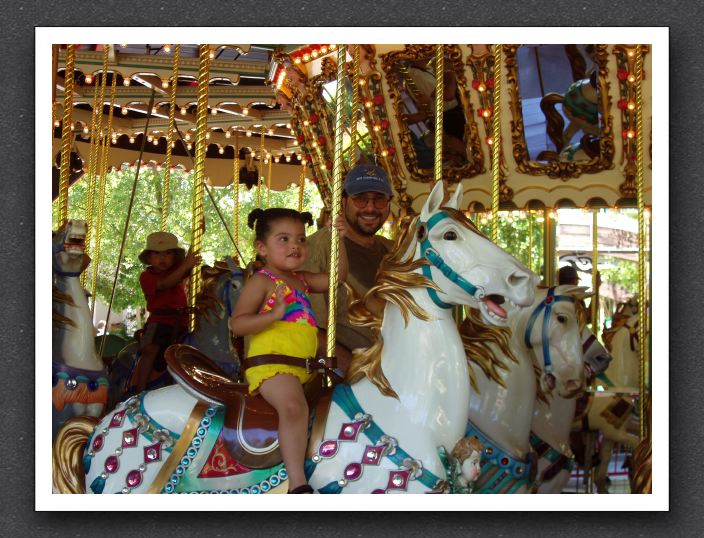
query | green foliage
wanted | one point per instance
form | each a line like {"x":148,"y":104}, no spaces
{"x":146,"y":218}
{"x":620,"y":272}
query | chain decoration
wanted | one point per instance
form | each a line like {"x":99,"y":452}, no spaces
{"x":166,"y":185}
{"x":101,"y":191}
{"x":335,"y":202}
{"x":66,"y":135}
{"x":496,"y":146}
{"x":199,"y":175}
{"x":642,"y":311}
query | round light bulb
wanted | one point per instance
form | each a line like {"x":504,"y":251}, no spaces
{"x":126,"y":82}
{"x":131,"y":139}
{"x":183,"y":111}
{"x":221,"y":151}
{"x":89,"y":79}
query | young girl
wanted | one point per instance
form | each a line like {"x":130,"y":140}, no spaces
{"x":274,"y":308}
{"x":162,"y":284}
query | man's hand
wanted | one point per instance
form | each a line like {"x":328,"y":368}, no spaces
{"x":279,"y":308}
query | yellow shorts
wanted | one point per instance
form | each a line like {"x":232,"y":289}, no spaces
{"x":256,"y":375}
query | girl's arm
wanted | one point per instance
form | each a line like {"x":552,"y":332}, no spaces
{"x":319,"y":282}
{"x":245,"y":318}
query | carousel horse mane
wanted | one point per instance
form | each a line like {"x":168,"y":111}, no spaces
{"x":396,"y":274}
{"x":61,"y":298}
{"x":207,"y":301}
{"x":642,"y":480}
{"x":619,"y":321}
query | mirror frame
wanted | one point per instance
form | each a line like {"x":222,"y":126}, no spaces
{"x":563,"y":170}
{"x":452,"y":174}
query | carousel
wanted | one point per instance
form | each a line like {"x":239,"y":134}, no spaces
{"x":489,"y":371}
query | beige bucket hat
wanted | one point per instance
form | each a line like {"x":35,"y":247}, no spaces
{"x":159,"y":242}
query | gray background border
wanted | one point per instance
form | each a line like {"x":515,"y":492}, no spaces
{"x":17,"y":328}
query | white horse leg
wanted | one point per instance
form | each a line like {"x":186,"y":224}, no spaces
{"x":94,"y":409}
{"x":79,"y":409}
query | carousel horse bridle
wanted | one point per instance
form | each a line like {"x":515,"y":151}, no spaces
{"x":56,"y":249}
{"x":546,"y":307}
{"x":429,"y":253}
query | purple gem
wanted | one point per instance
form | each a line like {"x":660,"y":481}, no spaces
{"x":111,"y":464}
{"x":134,"y":479}
{"x":398,"y":479}
{"x":152,"y":453}
{"x":98,"y":442}
{"x":349,"y":431}
{"x":327,"y":449}
{"x":379,"y":491}
{"x":93,"y":386}
{"x":372,"y":455}
{"x":353,"y":471}
{"x":129,"y":437}
{"x":117,"y":419}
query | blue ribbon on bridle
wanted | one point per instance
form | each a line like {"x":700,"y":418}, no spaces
{"x":226,"y":292}
{"x":429,"y":253}
{"x":545,"y":306}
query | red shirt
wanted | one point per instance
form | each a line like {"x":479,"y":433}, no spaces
{"x":163,"y":299}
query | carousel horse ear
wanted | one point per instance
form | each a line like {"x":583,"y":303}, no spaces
{"x":456,"y":198}
{"x":433,"y":202}
{"x":579,"y":292}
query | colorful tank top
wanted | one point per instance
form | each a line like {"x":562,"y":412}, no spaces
{"x":298,"y":307}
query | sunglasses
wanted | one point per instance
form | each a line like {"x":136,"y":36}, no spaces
{"x":379,"y":202}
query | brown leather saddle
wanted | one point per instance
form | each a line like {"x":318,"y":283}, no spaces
{"x":250,"y":428}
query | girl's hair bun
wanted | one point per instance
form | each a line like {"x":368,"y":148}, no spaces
{"x":253,"y":217}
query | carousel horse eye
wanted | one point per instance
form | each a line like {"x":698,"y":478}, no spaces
{"x":561,"y":318}
{"x":450,"y":235}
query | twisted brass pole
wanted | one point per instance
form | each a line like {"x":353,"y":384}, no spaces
{"x":260,"y":169}
{"x":439,"y":94}
{"x":643,"y":308}
{"x":355,"y":107}
{"x":335,"y":202}
{"x":236,"y":186}
{"x":199,"y":175}
{"x":66,"y":135}
{"x":496,"y":145}
{"x":166,"y":184}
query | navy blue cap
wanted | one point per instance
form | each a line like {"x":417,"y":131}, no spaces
{"x":367,"y":178}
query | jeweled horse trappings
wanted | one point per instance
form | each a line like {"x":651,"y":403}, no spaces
{"x":545,"y":339}
{"x":79,"y":376}
{"x":408,"y":394}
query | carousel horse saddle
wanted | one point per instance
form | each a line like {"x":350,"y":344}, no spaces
{"x":250,"y":428}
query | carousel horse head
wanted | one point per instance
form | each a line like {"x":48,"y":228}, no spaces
{"x":68,"y":248}
{"x":554,"y":333}
{"x":464,"y":265}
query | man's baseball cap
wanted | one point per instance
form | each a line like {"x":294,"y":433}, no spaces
{"x":367,"y":178}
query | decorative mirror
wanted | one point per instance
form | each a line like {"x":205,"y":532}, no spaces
{"x":410,"y":74}
{"x":560,"y":107}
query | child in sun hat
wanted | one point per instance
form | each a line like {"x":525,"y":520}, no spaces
{"x":164,"y":290}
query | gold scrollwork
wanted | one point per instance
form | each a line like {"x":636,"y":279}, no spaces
{"x":563,"y":170}
{"x":393,"y":65}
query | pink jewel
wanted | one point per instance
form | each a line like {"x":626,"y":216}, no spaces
{"x":152,"y":453}
{"x":111,"y":464}
{"x":353,"y":471}
{"x":117,"y":419}
{"x":129,"y":437}
{"x":379,"y":491}
{"x":398,"y":479}
{"x":372,"y":455}
{"x":98,"y":442}
{"x":349,"y":431}
{"x":134,"y":479}
{"x":327,"y":449}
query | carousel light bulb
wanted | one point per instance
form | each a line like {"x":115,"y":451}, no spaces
{"x":631,"y":105}
{"x":245,"y":110}
{"x":248,"y":132}
{"x":123,"y":45}
{"x":211,"y":54}
{"x":288,"y":158}
{"x":207,"y":136}
{"x":323,"y":50}
{"x":552,"y":215}
{"x":288,"y":126}
{"x":57,"y":123}
{"x":270,"y":132}
{"x":306,"y":57}
{"x":156,"y":141}
{"x":306,"y":123}
{"x":228,"y":134}
{"x":167,"y":48}
{"x":481,"y":88}
{"x":277,"y":159}
{"x":631,"y":77}
{"x":158,"y":168}
{"x":124,"y":111}
{"x":295,"y":142}
{"x":314,"y":54}
{"x":303,"y":161}
{"x":89,"y":79}
{"x":126,"y":82}
{"x":150,"y":138}
{"x":362,"y":82}
{"x":540,"y":218}
{"x":131,"y":139}
{"x":189,"y":146}
{"x":164,"y":83}
{"x":377,"y":128}
{"x":315,"y":144}
{"x":486,"y":113}
{"x":297,"y":61}
{"x":490,"y":140}
{"x":368,"y":104}
{"x":483,"y":220}
{"x":173,"y":145}
{"x":221,"y":151}
{"x":214,"y":111}
{"x":85,"y":130}
{"x":183,"y":111}
{"x":631,"y":133}
{"x":153,"y":110}
{"x":333,"y":47}
{"x":384,"y":153}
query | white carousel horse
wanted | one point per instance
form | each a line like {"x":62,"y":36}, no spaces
{"x":219,"y":292}
{"x":408,"y":397}
{"x":552,"y":424}
{"x":545,"y":337}
{"x":79,"y":376}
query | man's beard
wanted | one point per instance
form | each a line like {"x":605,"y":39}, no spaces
{"x":367,"y":230}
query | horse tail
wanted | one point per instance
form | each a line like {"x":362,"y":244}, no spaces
{"x":555,"y":121}
{"x":69,"y":445}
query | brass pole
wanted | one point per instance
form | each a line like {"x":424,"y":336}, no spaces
{"x":236,"y":186}
{"x":166,"y":185}
{"x":335,"y":201}
{"x":66,"y":135}
{"x":595,"y":271}
{"x":439,"y":93}
{"x":496,"y":146}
